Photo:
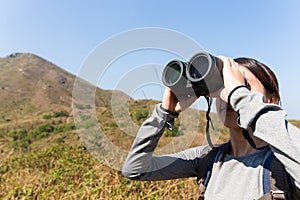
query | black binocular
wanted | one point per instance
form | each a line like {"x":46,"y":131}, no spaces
{"x":200,"y":76}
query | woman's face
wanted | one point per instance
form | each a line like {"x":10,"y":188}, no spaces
{"x":226,"y":114}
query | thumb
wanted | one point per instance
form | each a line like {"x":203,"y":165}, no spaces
{"x":223,"y":95}
{"x":187,"y":102}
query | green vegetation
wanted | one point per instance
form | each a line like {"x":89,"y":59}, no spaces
{"x":56,"y":114}
{"x":48,"y":161}
{"x":69,"y":172}
{"x":20,"y":138}
{"x":23,"y":138}
{"x":174,"y":132}
{"x":141,"y":114}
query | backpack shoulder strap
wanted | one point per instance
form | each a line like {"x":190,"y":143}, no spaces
{"x":215,"y":155}
{"x":267,"y":171}
{"x":277,"y":183}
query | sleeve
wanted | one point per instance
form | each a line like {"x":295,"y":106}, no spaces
{"x":140,"y":163}
{"x":270,"y":124}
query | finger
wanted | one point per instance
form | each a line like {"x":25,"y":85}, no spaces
{"x":224,"y":95}
{"x":216,"y":93}
{"x":169,"y":100}
{"x":187,"y":102}
{"x":224,"y":59}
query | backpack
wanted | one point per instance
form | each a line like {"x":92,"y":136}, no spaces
{"x":277,"y":183}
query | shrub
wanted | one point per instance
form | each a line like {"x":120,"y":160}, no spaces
{"x":20,"y":137}
{"x":64,"y":128}
{"x":17,"y":134}
{"x":110,"y":124}
{"x":173,"y":133}
{"x":139,"y":115}
{"x":45,"y":128}
{"x":47,"y":116}
{"x":60,"y":114}
{"x":56,"y":114}
{"x":41,"y":131}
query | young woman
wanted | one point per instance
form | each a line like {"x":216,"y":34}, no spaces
{"x":247,"y":110}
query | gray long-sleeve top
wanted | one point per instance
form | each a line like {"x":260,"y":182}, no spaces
{"x":239,"y":177}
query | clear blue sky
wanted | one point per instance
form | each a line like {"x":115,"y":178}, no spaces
{"x":65,"y":32}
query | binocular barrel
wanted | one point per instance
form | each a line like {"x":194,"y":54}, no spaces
{"x":200,"y":76}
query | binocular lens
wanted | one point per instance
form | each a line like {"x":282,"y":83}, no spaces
{"x":198,"y":68}
{"x":173,"y":72}
{"x":200,"y":76}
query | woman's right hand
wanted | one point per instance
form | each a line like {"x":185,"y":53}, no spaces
{"x":232,"y":75}
{"x":171,"y":102}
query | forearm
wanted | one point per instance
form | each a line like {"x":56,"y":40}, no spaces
{"x":140,"y":160}
{"x":142,"y":165}
{"x":284,"y":139}
{"x":270,"y":125}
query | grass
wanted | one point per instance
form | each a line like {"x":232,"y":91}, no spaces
{"x":59,"y":167}
{"x":55,"y":165}
{"x":67,"y":171}
{"x":45,"y":159}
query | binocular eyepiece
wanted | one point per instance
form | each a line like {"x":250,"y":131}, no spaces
{"x":200,"y":76}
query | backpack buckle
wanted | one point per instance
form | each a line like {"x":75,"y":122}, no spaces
{"x":278,"y":194}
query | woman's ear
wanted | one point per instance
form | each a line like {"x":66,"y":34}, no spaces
{"x":272,"y":98}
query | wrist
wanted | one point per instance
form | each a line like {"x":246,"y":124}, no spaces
{"x":174,"y":113}
{"x":232,"y":91}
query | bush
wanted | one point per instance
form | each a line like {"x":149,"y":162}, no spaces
{"x":56,"y":114}
{"x":45,"y":128}
{"x":41,"y":131}
{"x":64,"y":128}
{"x":173,"y":133}
{"x":20,"y":138}
{"x":17,"y":134}
{"x":60,"y":114}
{"x":110,"y":124}
{"x":139,"y":115}
{"x":47,"y":116}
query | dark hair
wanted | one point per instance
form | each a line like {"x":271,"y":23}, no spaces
{"x":263,"y":73}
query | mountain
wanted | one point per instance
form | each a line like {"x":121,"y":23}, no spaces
{"x":31,"y":86}
{"x":37,"y":106}
{"x":36,"y":101}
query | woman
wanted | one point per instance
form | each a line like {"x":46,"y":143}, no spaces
{"x":247,"y":109}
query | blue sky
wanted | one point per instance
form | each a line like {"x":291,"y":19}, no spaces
{"x":66,"y":32}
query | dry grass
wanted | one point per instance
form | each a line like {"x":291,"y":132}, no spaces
{"x":69,"y":172}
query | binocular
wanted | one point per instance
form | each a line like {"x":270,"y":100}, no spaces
{"x":200,"y":76}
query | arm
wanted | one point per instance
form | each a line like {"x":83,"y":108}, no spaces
{"x":142,"y":165}
{"x":267,"y":120}
{"x":271,"y":126}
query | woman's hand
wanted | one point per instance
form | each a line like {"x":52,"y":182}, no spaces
{"x":171,"y":102}
{"x":232,"y":76}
